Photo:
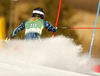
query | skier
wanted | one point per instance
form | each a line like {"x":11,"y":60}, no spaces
{"x":33,"y":26}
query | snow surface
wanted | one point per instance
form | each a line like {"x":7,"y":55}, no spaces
{"x":58,"y":56}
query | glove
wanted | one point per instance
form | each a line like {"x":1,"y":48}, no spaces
{"x":54,"y":29}
{"x":7,"y":39}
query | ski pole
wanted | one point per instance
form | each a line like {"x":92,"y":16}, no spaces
{"x":78,"y":27}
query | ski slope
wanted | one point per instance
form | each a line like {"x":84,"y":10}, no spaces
{"x":58,"y":56}
{"x":10,"y":68}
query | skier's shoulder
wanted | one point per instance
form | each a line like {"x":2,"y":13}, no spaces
{"x":46,"y":22}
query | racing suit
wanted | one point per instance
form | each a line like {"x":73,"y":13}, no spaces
{"x":33,"y":28}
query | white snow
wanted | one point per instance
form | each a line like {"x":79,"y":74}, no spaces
{"x":58,"y":56}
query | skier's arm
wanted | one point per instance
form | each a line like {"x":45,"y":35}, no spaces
{"x":18,"y":29}
{"x":48,"y":26}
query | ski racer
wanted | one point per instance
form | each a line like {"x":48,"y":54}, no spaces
{"x":33,"y":26}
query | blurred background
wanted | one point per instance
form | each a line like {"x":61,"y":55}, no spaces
{"x":74,"y":13}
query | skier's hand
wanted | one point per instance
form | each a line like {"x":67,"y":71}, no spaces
{"x":7,"y":39}
{"x":55,"y":29}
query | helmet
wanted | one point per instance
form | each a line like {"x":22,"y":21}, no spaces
{"x":38,"y":12}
